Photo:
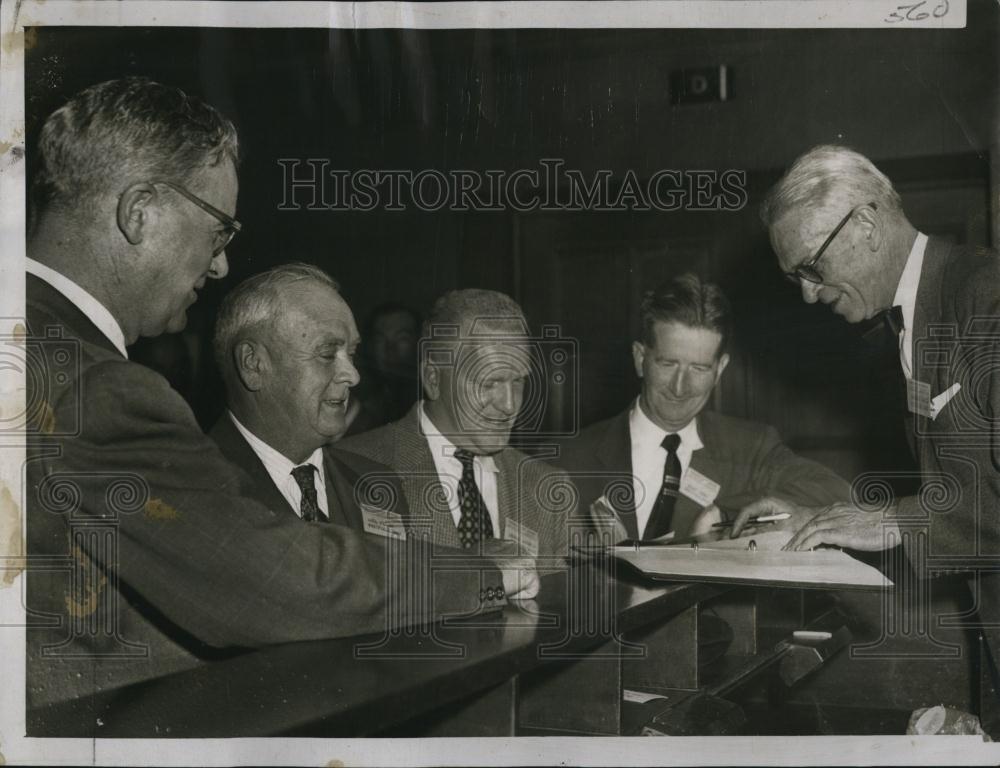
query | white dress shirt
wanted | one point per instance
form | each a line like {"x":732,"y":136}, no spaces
{"x":649,"y":457}
{"x":449,"y":471}
{"x":279,"y":468}
{"x":906,"y":298}
{"x":96,"y":312}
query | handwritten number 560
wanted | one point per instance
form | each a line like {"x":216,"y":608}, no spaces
{"x":912,"y":12}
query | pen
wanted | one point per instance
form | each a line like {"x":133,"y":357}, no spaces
{"x":759,"y":519}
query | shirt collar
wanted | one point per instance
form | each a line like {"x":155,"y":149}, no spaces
{"x":83,"y":300}
{"x":276,"y":462}
{"x":909,"y":281}
{"x":644,"y":430}
{"x":442,"y":447}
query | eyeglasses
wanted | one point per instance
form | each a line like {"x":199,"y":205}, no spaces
{"x":225,"y":235}
{"x":807,"y":270}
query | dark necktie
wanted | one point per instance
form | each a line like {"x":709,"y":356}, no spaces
{"x":893,"y":318}
{"x":888,"y":321}
{"x":662,"y":517}
{"x":309,"y":506}
{"x":474,"y":525}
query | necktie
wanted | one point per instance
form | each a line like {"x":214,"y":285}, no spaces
{"x":894,"y":321}
{"x":309,"y":506}
{"x":893,"y":317}
{"x":474,"y":525}
{"x":662,"y":516}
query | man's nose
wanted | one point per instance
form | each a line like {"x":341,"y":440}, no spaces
{"x":348,"y":374}
{"x":810,"y":291}
{"x":507,"y":399}
{"x":219,"y":267}
{"x":678,"y":383}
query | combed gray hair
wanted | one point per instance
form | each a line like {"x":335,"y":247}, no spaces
{"x":120,"y":132}
{"x":255,"y":303}
{"x":469,"y":309}
{"x":825,"y":174}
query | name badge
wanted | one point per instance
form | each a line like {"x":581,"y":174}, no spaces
{"x":700,"y":489}
{"x":382,"y":522}
{"x":526,"y":539}
{"x":603,"y":513}
{"x":918,"y":397}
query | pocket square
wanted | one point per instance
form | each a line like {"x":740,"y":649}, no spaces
{"x":940,"y":401}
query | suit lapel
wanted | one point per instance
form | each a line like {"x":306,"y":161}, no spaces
{"x":709,"y":463}
{"x":509,"y":502}
{"x":235,"y":448}
{"x":928,"y":306}
{"x":615,"y":455}
{"x":340,"y":483}
{"x":425,"y":494}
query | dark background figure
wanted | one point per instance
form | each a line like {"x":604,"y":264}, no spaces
{"x":389,"y":382}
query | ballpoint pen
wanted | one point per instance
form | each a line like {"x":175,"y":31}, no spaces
{"x":759,"y":519}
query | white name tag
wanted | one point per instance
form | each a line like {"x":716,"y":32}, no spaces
{"x":638,"y":697}
{"x":918,"y":397}
{"x":700,"y":489}
{"x":382,"y":522}
{"x":604,"y":514}
{"x":526,"y":539}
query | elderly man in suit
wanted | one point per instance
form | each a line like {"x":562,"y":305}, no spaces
{"x":462,"y":480}
{"x":165,"y":556}
{"x":285,"y":341}
{"x":665,"y":465}
{"x":840,"y":233}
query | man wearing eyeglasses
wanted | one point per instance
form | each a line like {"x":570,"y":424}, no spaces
{"x":839,"y":231}
{"x":158,"y":555}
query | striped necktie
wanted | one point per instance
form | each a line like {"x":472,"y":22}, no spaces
{"x":662,"y":517}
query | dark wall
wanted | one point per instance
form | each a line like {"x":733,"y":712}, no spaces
{"x":919,"y":102}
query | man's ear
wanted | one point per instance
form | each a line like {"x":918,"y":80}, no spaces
{"x":134,"y":211}
{"x":721,"y":366}
{"x":248,"y":359}
{"x":871,"y":225}
{"x":430,"y":377}
{"x":638,"y":355}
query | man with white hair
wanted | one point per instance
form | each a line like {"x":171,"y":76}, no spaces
{"x":839,"y":231}
{"x":284,"y":342}
{"x":460,"y":475}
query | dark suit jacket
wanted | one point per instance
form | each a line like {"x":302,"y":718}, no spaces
{"x":746,"y":459}
{"x":159,"y":553}
{"x":956,"y":518}
{"x":529,"y":491}
{"x":347,"y":476}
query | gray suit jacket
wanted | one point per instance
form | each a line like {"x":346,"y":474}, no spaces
{"x":748,"y":460}
{"x":954,"y":523}
{"x":346,"y":476}
{"x":161,"y":556}
{"x":529,"y":491}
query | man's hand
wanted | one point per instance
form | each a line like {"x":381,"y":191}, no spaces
{"x":771,"y":505}
{"x":844,"y":525}
{"x":520,"y":578}
{"x":704,"y":521}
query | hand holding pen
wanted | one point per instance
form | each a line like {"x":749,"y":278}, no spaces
{"x":757,"y":520}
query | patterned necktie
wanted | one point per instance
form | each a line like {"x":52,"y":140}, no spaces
{"x":309,"y":506}
{"x":474,"y":525}
{"x":662,"y":517}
